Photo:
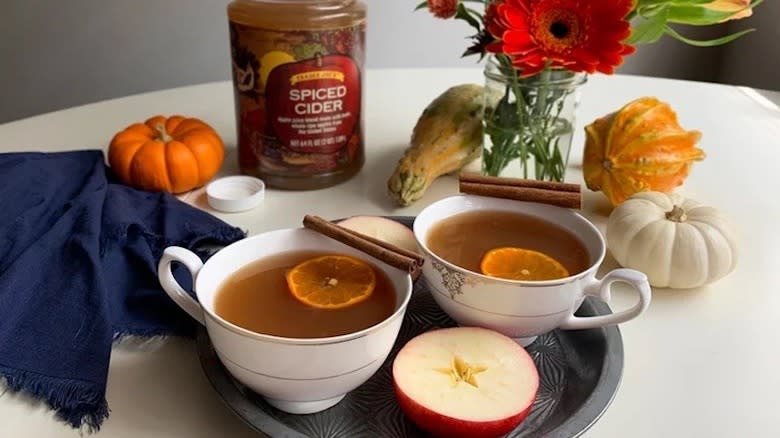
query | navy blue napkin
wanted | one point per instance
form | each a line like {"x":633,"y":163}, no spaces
{"x":78,"y":270}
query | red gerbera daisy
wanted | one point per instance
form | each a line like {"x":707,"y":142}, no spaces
{"x":443,"y":8}
{"x":581,"y":36}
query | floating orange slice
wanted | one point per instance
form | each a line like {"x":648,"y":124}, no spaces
{"x":521,"y":264}
{"x":331,"y":281}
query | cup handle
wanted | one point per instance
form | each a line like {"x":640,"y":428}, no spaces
{"x":172,"y":287}
{"x":602,"y":289}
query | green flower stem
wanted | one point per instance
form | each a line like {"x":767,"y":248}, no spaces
{"x":523,"y":118}
{"x":526,"y":123}
{"x":541,"y":101}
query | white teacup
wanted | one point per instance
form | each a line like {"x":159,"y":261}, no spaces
{"x":523,"y":309}
{"x":295,"y":375}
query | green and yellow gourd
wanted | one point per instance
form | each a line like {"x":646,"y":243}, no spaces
{"x":447,"y":136}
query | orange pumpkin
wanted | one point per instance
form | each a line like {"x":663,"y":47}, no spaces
{"x":641,"y":147}
{"x":175,"y":154}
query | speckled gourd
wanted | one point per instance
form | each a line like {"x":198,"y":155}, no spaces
{"x":447,"y":136}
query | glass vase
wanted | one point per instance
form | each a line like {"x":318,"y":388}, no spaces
{"x":528,"y":121}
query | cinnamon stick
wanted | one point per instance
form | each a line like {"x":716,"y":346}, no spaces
{"x":546,"y":192}
{"x":389,"y":246}
{"x":388,"y":253}
{"x":519,"y":182}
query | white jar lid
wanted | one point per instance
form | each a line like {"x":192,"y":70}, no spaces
{"x":235,"y":193}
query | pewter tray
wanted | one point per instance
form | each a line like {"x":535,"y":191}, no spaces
{"x":580,"y":373}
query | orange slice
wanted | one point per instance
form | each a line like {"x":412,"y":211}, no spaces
{"x":521,"y":264}
{"x":331,"y":281}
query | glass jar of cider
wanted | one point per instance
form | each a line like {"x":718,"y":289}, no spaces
{"x":298,"y":83}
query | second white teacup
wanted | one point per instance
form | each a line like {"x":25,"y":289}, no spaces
{"x":523,"y":309}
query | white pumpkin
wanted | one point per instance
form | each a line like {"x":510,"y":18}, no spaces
{"x":676,"y":242}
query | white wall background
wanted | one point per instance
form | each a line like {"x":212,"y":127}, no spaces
{"x":56,"y":54}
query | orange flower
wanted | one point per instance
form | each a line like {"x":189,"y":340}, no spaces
{"x":739,"y":6}
{"x":581,"y":36}
{"x":443,"y":8}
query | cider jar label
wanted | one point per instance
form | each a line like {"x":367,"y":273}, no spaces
{"x":298,"y":98}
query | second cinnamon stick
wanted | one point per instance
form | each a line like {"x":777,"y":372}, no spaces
{"x":529,"y":194}
{"x":520,"y":182}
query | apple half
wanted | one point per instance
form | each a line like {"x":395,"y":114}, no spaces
{"x":386,"y":230}
{"x":465,"y":382}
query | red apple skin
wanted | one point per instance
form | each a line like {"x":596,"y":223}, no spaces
{"x":442,"y":426}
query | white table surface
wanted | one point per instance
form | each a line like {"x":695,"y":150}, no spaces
{"x":698,"y":363}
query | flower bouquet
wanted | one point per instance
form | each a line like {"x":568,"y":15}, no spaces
{"x":540,"y":51}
